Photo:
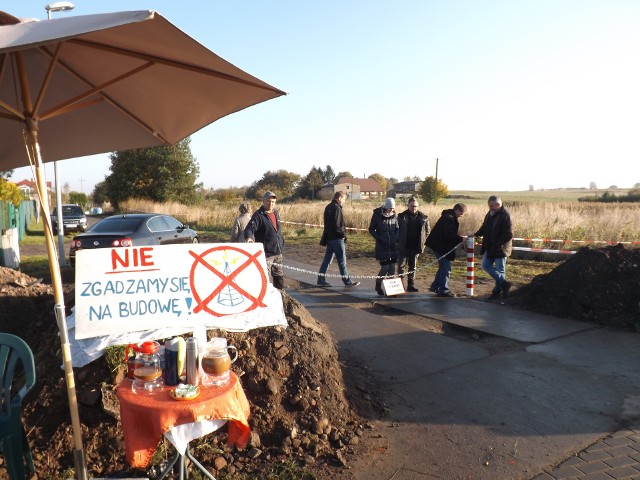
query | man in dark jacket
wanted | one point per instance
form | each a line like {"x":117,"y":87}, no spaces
{"x":443,"y":240}
{"x":414,"y":229}
{"x":334,"y":238}
{"x":265,"y":227}
{"x":497,"y":235}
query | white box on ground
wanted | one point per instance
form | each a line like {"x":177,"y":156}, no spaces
{"x":392,"y":286}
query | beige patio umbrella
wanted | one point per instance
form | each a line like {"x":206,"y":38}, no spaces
{"x":82,"y":85}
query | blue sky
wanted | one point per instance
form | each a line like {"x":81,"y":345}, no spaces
{"x":506,"y":94}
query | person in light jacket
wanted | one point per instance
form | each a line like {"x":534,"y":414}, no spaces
{"x":240,"y":222}
{"x":384,"y":228}
{"x":414,"y":229}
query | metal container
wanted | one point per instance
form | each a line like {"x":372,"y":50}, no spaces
{"x":193,"y":372}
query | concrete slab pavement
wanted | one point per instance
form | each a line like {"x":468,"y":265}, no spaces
{"x":458,"y":410}
{"x":466,"y":312}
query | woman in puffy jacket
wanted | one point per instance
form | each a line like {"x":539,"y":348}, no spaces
{"x":384,"y":228}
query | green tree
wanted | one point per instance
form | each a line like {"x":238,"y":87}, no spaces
{"x":328,"y":175}
{"x":79,"y":198}
{"x":10,"y":192}
{"x":99,"y":194}
{"x":381,"y":179}
{"x":344,"y":175}
{"x":428,"y":191}
{"x":160,"y":174}
{"x":310,"y":184}
{"x":280,"y":182}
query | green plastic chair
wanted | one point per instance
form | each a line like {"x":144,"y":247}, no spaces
{"x":15,"y":383}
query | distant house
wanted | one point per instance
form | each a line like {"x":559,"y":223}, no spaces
{"x":327,"y":190}
{"x":360,"y":188}
{"x":406,"y":189}
{"x":30,"y":189}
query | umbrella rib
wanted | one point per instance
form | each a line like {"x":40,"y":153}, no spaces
{"x":47,"y":78}
{"x":16,"y":114}
{"x":108,"y":98}
{"x":175,"y":64}
{"x":63,"y":107}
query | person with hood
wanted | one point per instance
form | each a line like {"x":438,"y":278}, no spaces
{"x":241,"y":222}
{"x":443,"y":240}
{"x":497,"y":235}
{"x":334,"y":238}
{"x":414,"y":229}
{"x":384,"y":228}
{"x":265,"y":227}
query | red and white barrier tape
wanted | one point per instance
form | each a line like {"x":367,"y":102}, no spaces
{"x":521,"y":239}
{"x":551,"y":240}
{"x":320,"y":226}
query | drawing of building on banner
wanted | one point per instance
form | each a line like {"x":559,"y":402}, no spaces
{"x":229,"y":296}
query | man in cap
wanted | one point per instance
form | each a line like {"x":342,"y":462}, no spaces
{"x":265,"y":227}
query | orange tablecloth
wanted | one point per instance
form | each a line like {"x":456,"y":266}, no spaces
{"x":145,"y":418}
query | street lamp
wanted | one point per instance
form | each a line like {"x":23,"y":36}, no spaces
{"x":59,"y":7}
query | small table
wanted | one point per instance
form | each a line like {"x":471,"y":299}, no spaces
{"x":145,"y":418}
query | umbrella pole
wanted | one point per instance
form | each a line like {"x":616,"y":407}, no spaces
{"x":56,"y":280}
{"x":31,"y":125}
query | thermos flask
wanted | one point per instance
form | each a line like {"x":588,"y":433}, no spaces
{"x":193,"y":376}
{"x":171,"y":362}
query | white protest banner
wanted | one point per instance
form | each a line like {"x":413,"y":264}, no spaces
{"x":180,"y":286}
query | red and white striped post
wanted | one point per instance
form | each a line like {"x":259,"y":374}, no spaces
{"x":470,"y":244}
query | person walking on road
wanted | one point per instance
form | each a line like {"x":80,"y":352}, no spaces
{"x":384,"y":228}
{"x":413,"y":231}
{"x":334,"y":237}
{"x":497,"y":235}
{"x":443,"y":240}
{"x":240,"y":222}
{"x":265,"y":227}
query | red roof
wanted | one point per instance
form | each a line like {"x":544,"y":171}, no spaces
{"x":366,"y":184}
{"x":31,"y":184}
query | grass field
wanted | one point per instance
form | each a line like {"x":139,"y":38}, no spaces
{"x":552,"y":214}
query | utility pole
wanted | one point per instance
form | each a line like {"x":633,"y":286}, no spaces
{"x":435,"y":186}
{"x":81,"y":182}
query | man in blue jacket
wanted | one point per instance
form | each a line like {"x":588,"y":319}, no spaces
{"x":265,"y":227}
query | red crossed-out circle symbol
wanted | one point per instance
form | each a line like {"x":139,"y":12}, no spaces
{"x":202,"y":303}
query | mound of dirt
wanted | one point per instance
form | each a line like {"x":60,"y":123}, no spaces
{"x":599,"y":285}
{"x":300,"y":411}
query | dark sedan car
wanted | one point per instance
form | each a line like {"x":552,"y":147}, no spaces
{"x":131,"y":230}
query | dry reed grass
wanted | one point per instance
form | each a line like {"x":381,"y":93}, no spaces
{"x":562,"y":221}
